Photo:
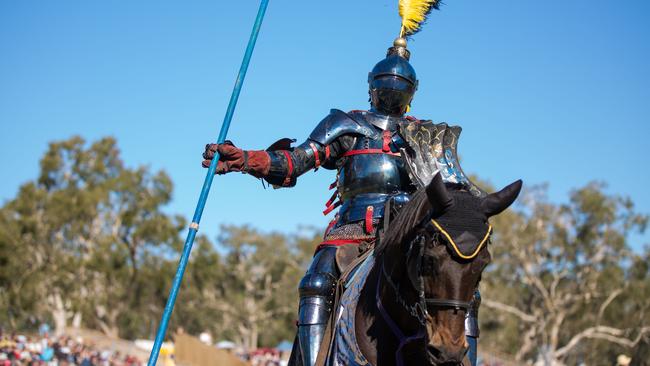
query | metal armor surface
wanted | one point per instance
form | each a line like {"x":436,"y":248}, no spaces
{"x":392,"y":83}
{"x":334,"y":135}
{"x":432,"y":148}
{"x":394,"y":65}
{"x":472,"y":329}
{"x":471,"y":319}
{"x":316,"y":291}
{"x":339,"y":123}
{"x":371,"y":179}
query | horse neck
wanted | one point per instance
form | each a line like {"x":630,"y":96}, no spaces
{"x":381,"y":342}
{"x":394,"y":291}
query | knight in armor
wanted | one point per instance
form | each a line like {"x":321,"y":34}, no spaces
{"x":364,"y":147}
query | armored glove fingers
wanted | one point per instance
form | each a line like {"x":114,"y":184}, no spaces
{"x":234,"y":159}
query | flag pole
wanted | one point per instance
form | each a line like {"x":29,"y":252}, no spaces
{"x":207,"y":183}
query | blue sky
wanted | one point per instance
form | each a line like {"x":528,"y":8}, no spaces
{"x":555,"y":92}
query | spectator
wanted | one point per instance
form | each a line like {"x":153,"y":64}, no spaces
{"x":62,"y":351}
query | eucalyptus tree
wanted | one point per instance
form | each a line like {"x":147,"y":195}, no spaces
{"x":565,"y":287}
{"x":256,"y":299}
{"x":76,"y":239}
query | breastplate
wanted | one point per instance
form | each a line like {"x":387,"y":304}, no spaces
{"x":370,"y":179}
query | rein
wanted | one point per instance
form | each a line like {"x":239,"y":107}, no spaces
{"x":403,"y":339}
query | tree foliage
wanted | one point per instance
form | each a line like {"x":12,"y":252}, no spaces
{"x":88,"y":243}
{"x":565,"y":286}
{"x":82,"y":235}
{"x":255,"y":298}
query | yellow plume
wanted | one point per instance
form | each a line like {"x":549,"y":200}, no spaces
{"x":414,"y":13}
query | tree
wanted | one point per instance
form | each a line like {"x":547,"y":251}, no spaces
{"x":257,"y":298}
{"x":88,"y":242}
{"x":561,"y":286}
{"x":20,"y":274}
{"x":134,"y":230}
{"x":637,"y":298}
{"x":80,"y":234}
{"x":55,"y":218}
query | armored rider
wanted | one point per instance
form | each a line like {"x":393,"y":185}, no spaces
{"x":363,"y":146}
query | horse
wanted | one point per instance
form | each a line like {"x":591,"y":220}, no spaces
{"x":415,"y":288}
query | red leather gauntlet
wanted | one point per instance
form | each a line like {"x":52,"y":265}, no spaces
{"x":234,"y":159}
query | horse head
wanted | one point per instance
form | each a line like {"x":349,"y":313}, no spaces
{"x":433,"y":254}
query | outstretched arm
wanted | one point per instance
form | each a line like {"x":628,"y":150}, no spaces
{"x":288,"y":164}
{"x":281,"y":164}
{"x":278,"y":166}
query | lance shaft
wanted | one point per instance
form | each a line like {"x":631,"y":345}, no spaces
{"x":198,"y":212}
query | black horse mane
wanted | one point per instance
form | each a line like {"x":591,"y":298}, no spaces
{"x":416,"y":211}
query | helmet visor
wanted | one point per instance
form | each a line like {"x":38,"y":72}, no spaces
{"x":392,"y":82}
{"x":391,"y":93}
{"x":390,"y":101}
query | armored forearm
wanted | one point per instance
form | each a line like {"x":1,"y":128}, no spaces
{"x":288,"y":164}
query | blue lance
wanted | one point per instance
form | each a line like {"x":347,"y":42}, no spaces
{"x":198,"y":212}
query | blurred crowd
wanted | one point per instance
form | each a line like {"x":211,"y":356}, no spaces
{"x":263,"y":357}
{"x":19,"y":350}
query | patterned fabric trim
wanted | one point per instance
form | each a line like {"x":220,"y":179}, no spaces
{"x":346,"y":350}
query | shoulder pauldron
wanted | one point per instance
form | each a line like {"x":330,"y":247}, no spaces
{"x":339,"y":123}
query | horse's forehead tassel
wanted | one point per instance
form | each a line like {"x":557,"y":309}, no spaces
{"x":414,"y":13}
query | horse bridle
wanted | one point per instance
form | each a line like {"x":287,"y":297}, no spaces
{"x":419,"y":310}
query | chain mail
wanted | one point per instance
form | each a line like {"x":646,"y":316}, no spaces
{"x":353,"y":231}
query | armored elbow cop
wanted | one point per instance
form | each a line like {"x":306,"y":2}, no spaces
{"x":287,"y":164}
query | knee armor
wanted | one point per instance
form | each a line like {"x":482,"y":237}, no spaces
{"x":316,"y":300}
{"x":317,"y":288}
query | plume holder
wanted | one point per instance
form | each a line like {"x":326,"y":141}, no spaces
{"x":399,"y":49}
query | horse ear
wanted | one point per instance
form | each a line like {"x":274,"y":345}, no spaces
{"x":496,"y":202}
{"x":438,"y":196}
